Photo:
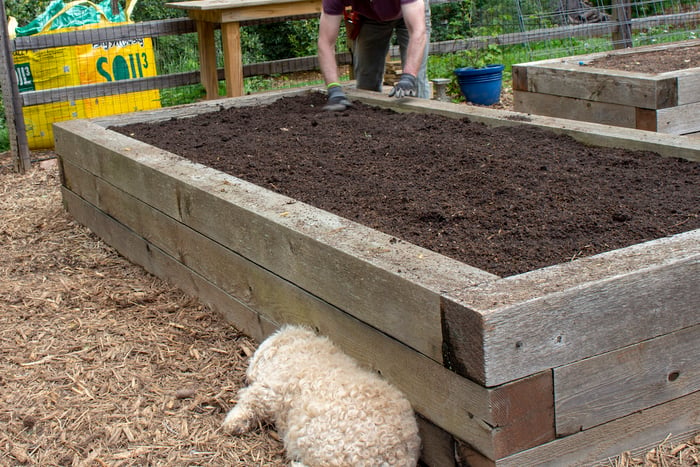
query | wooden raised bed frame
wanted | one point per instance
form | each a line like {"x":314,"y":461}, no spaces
{"x":570,"y":363}
{"x":561,"y":87}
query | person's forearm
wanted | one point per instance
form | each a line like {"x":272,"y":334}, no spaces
{"x":414,"y":16}
{"x":414,"y":54}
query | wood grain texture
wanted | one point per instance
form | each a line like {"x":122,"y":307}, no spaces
{"x":207,"y":58}
{"x":224,"y":4}
{"x":570,"y":88}
{"x":519,"y":77}
{"x":272,"y":10}
{"x":231,"y":44}
{"x":438,"y":446}
{"x":455,"y":404}
{"x":615,"y":384}
{"x":688,"y":86}
{"x":591,"y":84}
{"x":247,"y":10}
{"x":555,"y":329}
{"x":233,"y":58}
{"x":603,"y":113}
{"x":679,"y":120}
{"x":449,"y":400}
{"x":523,"y":413}
{"x":573,"y":310}
{"x":463,"y":340}
{"x":278,"y":260}
{"x":156,"y":262}
{"x":645,"y":119}
{"x":190,"y":193}
{"x":469,"y":457}
{"x":678,"y":417}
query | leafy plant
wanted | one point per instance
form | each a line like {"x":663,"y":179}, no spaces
{"x":451,"y":21}
{"x":303,"y":37}
{"x":149,"y":10}
{"x":4,"y":133}
{"x":443,"y":66}
{"x":478,"y":58}
{"x":176,"y":53}
{"x":25,"y":11}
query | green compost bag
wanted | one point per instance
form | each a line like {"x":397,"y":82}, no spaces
{"x":61,"y":15}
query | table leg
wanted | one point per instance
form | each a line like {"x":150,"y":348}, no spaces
{"x":207,"y":59}
{"x":233,"y":58}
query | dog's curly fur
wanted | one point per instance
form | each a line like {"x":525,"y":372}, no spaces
{"x":328,"y":410}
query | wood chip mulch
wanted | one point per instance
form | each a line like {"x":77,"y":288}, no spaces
{"x":102,"y":364}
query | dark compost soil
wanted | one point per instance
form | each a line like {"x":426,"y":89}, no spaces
{"x":506,"y":200}
{"x":656,"y":61}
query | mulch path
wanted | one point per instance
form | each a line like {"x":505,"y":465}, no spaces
{"x":506,"y":200}
{"x":102,"y":363}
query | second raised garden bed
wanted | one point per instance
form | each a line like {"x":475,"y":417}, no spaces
{"x":627,"y":88}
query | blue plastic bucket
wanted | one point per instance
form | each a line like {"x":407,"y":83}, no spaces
{"x":481,"y":85}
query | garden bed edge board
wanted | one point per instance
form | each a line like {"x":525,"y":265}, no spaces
{"x":320,"y":231}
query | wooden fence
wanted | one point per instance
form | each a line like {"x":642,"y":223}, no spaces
{"x":14,"y":101}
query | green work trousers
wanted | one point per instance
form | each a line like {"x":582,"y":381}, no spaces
{"x":371,"y":47}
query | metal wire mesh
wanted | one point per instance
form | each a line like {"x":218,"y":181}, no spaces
{"x":551,"y":28}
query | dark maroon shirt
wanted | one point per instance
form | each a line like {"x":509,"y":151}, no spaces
{"x":380,"y":10}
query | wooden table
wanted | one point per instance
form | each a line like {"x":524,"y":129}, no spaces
{"x":229,"y":14}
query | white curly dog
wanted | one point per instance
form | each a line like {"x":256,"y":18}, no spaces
{"x":328,"y":411}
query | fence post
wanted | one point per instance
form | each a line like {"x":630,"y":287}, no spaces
{"x":14,"y":119}
{"x":622,"y":34}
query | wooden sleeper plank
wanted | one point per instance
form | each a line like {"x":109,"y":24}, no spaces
{"x":602,"y":388}
{"x":679,"y":417}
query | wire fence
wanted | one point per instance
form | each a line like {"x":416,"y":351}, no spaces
{"x":92,"y":70}
{"x":546,"y":29}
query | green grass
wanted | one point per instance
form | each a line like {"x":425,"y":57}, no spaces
{"x":270,"y":83}
{"x":4,"y":134}
{"x":181,"y":95}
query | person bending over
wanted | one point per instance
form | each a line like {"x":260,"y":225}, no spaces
{"x":378,"y":20}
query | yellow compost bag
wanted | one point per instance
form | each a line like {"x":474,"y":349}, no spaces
{"x":114,"y":61}
{"x":83,"y":64}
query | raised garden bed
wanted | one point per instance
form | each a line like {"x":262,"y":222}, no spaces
{"x":655,"y":88}
{"x":535,"y":367}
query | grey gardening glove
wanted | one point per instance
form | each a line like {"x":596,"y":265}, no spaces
{"x":405,"y":87}
{"x":337,"y":101}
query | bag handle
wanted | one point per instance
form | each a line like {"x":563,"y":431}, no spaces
{"x":130,"y":5}
{"x":68,"y":7}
